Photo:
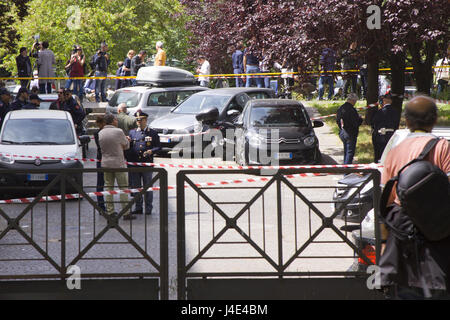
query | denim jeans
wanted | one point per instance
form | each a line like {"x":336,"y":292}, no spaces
{"x":349,"y":142}
{"x":45,"y":87}
{"x":250,"y":80}
{"x":100,"y":86}
{"x":323,"y":80}
{"x":239,"y":80}
{"x":77,"y":87}
{"x":138,"y":180}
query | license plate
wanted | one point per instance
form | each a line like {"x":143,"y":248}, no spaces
{"x":37,"y":177}
{"x":283,"y":155}
{"x":164,"y":139}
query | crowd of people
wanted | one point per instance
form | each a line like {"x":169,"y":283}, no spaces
{"x":27,"y":100}
{"x":78,"y":67}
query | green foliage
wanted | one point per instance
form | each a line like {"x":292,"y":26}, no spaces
{"x":124,"y":25}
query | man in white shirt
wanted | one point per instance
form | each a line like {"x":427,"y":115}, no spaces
{"x":443,"y":72}
{"x":204,"y":69}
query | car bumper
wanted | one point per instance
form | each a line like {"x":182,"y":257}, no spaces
{"x":284,"y":155}
{"x":26,"y":183}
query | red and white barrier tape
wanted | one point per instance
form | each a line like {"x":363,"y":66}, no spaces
{"x":206,"y":166}
{"x":130,"y":191}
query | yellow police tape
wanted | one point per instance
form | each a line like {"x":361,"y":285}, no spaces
{"x":208,"y":75}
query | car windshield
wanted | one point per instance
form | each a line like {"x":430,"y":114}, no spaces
{"x":130,"y":98}
{"x":199,"y":102}
{"x":278,"y":116}
{"x":38,"y":131}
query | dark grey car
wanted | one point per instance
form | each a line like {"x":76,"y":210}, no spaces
{"x":276,"y":130}
{"x":181,"y":122}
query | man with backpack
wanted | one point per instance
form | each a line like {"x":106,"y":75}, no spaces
{"x":415,"y":263}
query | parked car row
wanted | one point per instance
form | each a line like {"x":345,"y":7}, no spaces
{"x":179,"y":109}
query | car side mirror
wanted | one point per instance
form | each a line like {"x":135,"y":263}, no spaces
{"x":233,"y":113}
{"x":209,"y":115}
{"x":317,"y":124}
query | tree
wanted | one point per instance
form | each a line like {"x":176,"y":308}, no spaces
{"x":124,"y":25}
{"x":296,"y":31}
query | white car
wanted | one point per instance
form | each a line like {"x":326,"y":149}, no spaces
{"x":27,"y":136}
{"x":158,"y":91}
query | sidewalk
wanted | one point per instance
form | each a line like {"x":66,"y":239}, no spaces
{"x":330,"y":145}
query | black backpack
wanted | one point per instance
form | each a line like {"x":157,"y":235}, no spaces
{"x":424,"y":193}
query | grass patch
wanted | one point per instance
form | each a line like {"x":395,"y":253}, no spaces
{"x":364,"y":146}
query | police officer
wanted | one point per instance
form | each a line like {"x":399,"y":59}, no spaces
{"x":33,"y":103}
{"x":384,"y":122}
{"x":144,"y":143}
{"x":76,"y":111}
{"x":5,"y":107}
{"x":21,"y":99}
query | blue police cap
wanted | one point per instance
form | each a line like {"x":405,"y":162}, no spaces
{"x":140,"y":114}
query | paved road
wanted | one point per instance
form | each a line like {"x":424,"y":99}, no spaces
{"x":203,"y":223}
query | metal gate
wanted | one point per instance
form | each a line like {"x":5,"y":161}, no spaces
{"x":47,"y":241}
{"x":271,"y":239}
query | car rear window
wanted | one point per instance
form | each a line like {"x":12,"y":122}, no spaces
{"x":168,"y":98}
{"x":130,"y":98}
{"x":278,"y":116}
{"x":258,"y":95}
{"x":38,"y":131}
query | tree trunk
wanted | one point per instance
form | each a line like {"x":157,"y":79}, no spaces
{"x":372,"y":85}
{"x":423,"y":70}
{"x":397,"y":62}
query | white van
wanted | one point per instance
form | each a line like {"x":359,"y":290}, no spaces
{"x":27,"y":136}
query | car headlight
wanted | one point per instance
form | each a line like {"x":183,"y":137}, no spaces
{"x":68,"y":158}
{"x":6,"y":158}
{"x":198,"y":127}
{"x":255,"y":139}
{"x":309,"y":141}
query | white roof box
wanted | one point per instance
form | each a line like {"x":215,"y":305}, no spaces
{"x":164,"y":76}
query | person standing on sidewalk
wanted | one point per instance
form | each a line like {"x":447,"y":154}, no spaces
{"x":101,"y":62}
{"x":23,"y":67}
{"x":144,"y":143}
{"x":160,"y":58}
{"x":237,"y":58}
{"x":100,"y":122}
{"x":112,"y":144}
{"x":203,"y":69}
{"x":348,"y":121}
{"x":384,"y":123}
{"x":45,"y":61}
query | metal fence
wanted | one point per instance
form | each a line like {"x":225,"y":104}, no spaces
{"x":44,"y":235}
{"x":270,"y":240}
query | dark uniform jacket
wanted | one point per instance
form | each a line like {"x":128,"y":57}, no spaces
{"x":18,"y":104}
{"x":4,"y":109}
{"x":350,"y":117}
{"x":141,"y":141}
{"x":76,"y":111}
{"x":387,"y":117}
{"x":29,"y":106}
